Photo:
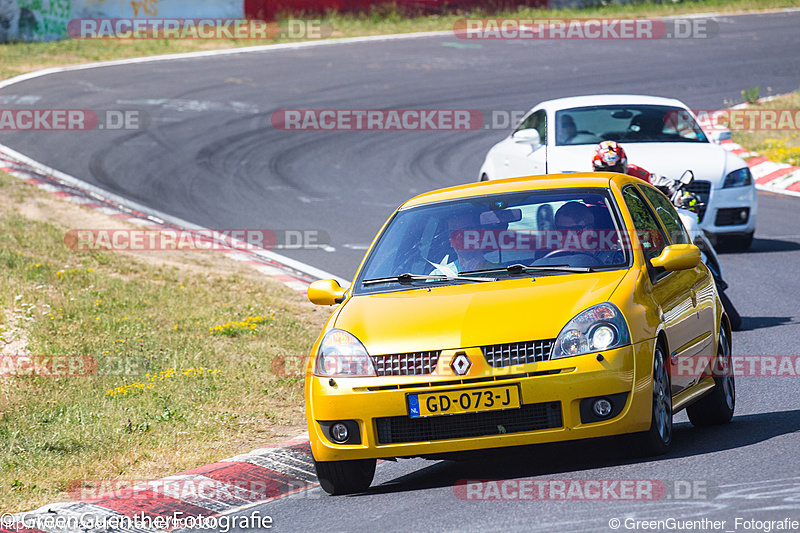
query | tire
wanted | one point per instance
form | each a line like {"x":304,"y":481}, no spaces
{"x":718,"y":406}
{"x":730,"y":310}
{"x":345,"y":477}
{"x":657,"y":440}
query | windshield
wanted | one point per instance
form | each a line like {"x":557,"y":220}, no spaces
{"x":626,"y":123}
{"x":496,"y":236}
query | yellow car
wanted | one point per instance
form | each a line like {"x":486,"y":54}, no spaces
{"x":516,"y":312}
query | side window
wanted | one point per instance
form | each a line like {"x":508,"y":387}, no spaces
{"x":651,"y":238}
{"x":669,"y":217}
{"x":536,"y":121}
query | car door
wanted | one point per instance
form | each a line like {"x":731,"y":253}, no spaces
{"x":670,"y":290}
{"x":516,"y":158}
{"x":703,"y":324}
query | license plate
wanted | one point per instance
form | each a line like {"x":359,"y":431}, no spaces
{"x":463,"y":401}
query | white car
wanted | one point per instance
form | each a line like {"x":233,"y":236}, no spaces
{"x":660,"y":135}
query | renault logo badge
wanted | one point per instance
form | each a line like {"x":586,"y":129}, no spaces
{"x":461,"y":364}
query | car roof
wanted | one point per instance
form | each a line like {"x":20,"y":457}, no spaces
{"x":574,"y":180}
{"x":608,"y":99}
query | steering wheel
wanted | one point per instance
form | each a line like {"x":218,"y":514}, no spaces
{"x":564,"y":251}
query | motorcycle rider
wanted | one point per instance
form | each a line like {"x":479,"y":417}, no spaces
{"x":610,"y":157}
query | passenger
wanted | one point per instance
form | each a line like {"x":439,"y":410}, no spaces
{"x":574,"y":216}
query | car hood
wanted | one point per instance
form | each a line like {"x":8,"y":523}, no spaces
{"x":477,"y":314}
{"x":707,"y":161}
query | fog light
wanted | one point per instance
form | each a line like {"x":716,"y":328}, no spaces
{"x":601,"y":407}
{"x":743,"y":214}
{"x":339,"y":432}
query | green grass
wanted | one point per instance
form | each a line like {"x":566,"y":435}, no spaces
{"x":782,"y":146}
{"x":20,"y":58}
{"x":184,"y":362}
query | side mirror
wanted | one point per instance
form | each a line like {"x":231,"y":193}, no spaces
{"x":687,"y":177}
{"x":326,"y":292}
{"x":527,"y":136}
{"x":678,"y":257}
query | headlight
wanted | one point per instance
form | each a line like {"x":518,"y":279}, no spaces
{"x":601,"y":327}
{"x":738,"y":178}
{"x":341,"y":354}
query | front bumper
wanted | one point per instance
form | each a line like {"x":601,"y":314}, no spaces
{"x":724,"y":208}
{"x":551,"y":395}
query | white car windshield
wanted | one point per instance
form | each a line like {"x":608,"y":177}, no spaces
{"x":552,"y":232}
{"x":627,"y":124}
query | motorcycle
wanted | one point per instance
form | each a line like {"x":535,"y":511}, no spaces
{"x":687,"y":204}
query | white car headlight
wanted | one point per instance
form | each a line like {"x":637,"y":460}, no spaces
{"x":341,"y":354}
{"x":600,"y":327}
{"x":738,"y":178}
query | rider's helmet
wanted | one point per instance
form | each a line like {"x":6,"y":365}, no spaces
{"x":610,"y":157}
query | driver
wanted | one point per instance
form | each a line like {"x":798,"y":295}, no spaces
{"x":572,"y":220}
{"x":610,"y":157}
{"x":566,"y":129}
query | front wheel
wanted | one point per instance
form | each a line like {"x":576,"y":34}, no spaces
{"x":717,"y":407}
{"x":345,"y":477}
{"x":657,"y":439}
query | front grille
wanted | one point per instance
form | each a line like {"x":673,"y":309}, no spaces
{"x":517,"y":353}
{"x":703,"y":190}
{"x":731,"y":216}
{"x":406,"y":364}
{"x":530,"y":417}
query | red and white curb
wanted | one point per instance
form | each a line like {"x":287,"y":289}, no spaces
{"x":769,"y":176}
{"x":294,"y":274}
{"x":198,"y":497}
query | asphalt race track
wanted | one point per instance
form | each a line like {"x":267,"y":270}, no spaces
{"x":212,"y":157}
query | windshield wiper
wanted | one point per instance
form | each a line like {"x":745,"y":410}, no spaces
{"x":408,"y":277}
{"x":520,"y":269}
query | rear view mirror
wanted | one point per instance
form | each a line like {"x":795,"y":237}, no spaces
{"x":527,"y":136}
{"x":503,"y":216}
{"x":325,"y":292}
{"x":678,"y":257}
{"x":687,"y":177}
